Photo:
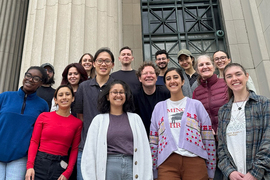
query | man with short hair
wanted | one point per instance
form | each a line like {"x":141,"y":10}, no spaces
{"x":127,"y":74}
{"x":45,"y":91}
{"x":87,"y":95}
{"x":148,"y":95}
{"x":162,"y":60}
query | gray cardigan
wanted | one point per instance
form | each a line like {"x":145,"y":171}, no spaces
{"x":187,"y":90}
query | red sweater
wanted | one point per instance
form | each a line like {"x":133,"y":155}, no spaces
{"x":55,"y":134}
{"x":213,"y":94}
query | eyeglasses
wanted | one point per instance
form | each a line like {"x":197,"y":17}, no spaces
{"x":101,"y":61}
{"x":116,"y":93}
{"x":28,"y":76}
{"x":163,"y":59}
{"x":220,"y":58}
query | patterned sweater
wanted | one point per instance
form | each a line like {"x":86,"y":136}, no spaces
{"x":195,"y":135}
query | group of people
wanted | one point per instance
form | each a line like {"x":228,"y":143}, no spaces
{"x":158,"y":122}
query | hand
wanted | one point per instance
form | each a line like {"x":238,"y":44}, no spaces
{"x":248,"y":176}
{"x":62,"y":177}
{"x":210,"y":178}
{"x":236,"y":176}
{"x":30,"y":174}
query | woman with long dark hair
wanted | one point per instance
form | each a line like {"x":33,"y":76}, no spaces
{"x":87,"y":62}
{"x":116,"y":146}
{"x":72,"y":75}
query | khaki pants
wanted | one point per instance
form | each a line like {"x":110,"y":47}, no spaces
{"x":177,"y":167}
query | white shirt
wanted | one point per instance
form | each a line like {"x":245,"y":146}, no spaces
{"x":175,"y":110}
{"x":236,"y":136}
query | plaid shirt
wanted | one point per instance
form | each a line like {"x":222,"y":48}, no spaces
{"x":257,"y":112}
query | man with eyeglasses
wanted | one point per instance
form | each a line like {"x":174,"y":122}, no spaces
{"x":162,"y":60}
{"x":87,"y":96}
{"x":127,"y":74}
{"x":45,"y":91}
{"x":149,"y":94}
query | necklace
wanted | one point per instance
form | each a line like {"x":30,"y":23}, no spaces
{"x":240,"y":107}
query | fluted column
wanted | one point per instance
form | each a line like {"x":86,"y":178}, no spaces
{"x":12,"y":28}
{"x":60,"y":31}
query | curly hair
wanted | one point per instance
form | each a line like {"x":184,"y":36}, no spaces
{"x":79,"y":68}
{"x":104,"y":104}
{"x":145,"y":64}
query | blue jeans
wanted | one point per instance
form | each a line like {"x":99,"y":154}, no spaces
{"x":14,"y":170}
{"x":119,"y":167}
{"x":79,"y":171}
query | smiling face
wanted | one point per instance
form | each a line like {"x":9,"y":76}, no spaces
{"x":174,"y":82}
{"x":125,"y":57}
{"x":64,"y":98}
{"x":236,"y":79}
{"x":205,"y":67}
{"x":103,"y":69}
{"x":73,"y":76}
{"x":87,"y":62}
{"x":148,"y":76}
{"x":29,"y":86}
{"x":221,"y":60}
{"x":162,"y":61}
{"x":185,"y":62}
{"x":117,"y":96}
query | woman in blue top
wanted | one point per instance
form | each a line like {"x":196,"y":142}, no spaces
{"x":18,"y":113}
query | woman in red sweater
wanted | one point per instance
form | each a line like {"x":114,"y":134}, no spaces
{"x":212,"y":92}
{"x":54,"y":133}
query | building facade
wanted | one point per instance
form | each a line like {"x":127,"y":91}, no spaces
{"x":60,"y":31}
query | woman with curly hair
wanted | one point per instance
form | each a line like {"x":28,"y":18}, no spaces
{"x":116,"y":146}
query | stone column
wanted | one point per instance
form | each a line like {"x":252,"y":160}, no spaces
{"x":60,"y":31}
{"x":12,"y":28}
{"x":246,"y":23}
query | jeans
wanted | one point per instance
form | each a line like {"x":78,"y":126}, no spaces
{"x":14,"y":170}
{"x":79,"y":171}
{"x":48,"y":167}
{"x":119,"y":167}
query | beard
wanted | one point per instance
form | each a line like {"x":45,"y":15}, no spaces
{"x":50,"y":81}
{"x":162,"y":67}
